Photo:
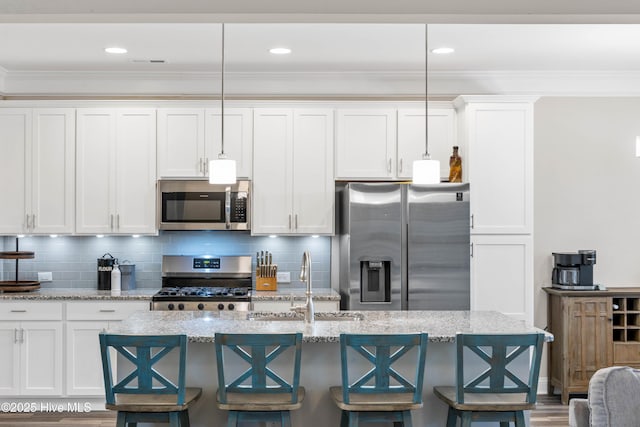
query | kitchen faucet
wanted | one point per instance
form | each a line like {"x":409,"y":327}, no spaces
{"x":305,"y":276}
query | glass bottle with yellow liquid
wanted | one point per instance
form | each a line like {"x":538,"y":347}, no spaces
{"x":455,"y":166}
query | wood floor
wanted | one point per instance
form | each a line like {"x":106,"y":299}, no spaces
{"x":549,"y":413}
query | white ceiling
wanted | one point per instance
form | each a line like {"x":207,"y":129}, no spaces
{"x":389,"y":58}
{"x":319,"y":47}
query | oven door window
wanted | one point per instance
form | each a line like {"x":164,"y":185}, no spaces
{"x":193,"y":207}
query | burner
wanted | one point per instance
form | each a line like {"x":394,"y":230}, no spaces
{"x":204,"y":282}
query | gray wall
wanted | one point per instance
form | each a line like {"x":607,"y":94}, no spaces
{"x":73,"y":260}
{"x":586,"y":189}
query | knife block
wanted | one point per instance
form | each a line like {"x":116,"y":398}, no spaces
{"x":266,"y":283}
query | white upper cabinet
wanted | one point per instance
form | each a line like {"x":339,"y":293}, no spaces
{"x":498,"y":134}
{"x":53,"y":171}
{"x":15,"y":138}
{"x":382,"y":144}
{"x":365,"y":143}
{"x":37,"y":170}
{"x":181,"y":142}
{"x":238,"y":138}
{"x":189,"y":137}
{"x":116,"y":171}
{"x":412,"y":142}
{"x":293,"y":189}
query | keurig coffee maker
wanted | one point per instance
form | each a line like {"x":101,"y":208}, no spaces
{"x":573,"y":271}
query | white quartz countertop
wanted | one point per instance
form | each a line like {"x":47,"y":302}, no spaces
{"x":441,"y":326}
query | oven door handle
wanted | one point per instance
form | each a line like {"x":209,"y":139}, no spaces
{"x":227,"y":207}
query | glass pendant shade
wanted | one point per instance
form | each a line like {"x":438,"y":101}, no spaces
{"x":426,"y":171}
{"x":222,"y":170}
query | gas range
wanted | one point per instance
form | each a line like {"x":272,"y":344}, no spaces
{"x":205,"y":282}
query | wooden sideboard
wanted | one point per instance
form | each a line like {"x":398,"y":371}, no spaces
{"x":592,"y":330}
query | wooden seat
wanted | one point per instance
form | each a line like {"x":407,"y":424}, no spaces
{"x":498,"y":393}
{"x":260,"y":393}
{"x":145,"y":394}
{"x":382,"y":393}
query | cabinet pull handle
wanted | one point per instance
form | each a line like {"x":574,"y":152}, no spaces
{"x":15,"y":335}
{"x":21,"y":335}
{"x":111,"y":221}
{"x":107,"y":310}
{"x":389,"y":166}
{"x":296,"y":221}
{"x":471,"y":220}
{"x":200,"y":165}
{"x":289,"y":221}
{"x":401,"y":165}
{"x":471,"y":245}
{"x":26,"y":222}
{"x":206,"y":166}
{"x":18,"y":311}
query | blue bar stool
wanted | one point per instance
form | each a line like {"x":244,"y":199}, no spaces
{"x":260,"y":393}
{"x":498,"y":393}
{"x":145,"y":394}
{"x":382,"y":393}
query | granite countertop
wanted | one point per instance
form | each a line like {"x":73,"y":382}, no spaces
{"x":71,"y":294}
{"x":442,"y":326}
{"x":75,"y":294}
{"x":285,"y":294}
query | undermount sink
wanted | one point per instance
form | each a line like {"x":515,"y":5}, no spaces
{"x":332,"y":316}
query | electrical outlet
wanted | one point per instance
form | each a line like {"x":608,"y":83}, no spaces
{"x":45,"y":276}
{"x":284,"y":277}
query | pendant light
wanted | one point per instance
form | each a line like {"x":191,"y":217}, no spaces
{"x":222,"y":170}
{"x":426,"y":171}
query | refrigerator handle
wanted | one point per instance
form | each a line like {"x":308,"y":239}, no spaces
{"x":472,"y":221}
{"x":471,"y":245}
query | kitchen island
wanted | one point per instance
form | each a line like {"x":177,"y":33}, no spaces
{"x":320,"y":352}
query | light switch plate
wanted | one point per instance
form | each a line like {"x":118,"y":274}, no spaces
{"x":284,"y":277}
{"x":46,"y":276}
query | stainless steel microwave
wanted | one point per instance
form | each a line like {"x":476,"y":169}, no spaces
{"x":198,"y":205}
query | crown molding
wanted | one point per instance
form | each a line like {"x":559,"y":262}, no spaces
{"x":322,"y":84}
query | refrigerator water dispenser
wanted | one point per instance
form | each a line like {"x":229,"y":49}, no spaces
{"x":375,"y":281}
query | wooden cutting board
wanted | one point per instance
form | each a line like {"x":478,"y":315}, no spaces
{"x":19,"y":286}
{"x":17,"y":255}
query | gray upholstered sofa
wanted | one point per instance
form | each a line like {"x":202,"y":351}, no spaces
{"x":613,"y":400}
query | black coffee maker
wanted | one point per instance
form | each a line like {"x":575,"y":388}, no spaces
{"x":573,"y":270}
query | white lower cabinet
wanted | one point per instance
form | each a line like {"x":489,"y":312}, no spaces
{"x":85,"y":320}
{"x":284,"y":306}
{"x":502,"y":274}
{"x":31,"y":349}
{"x":42,"y":355}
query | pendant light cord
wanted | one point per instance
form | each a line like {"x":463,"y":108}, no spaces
{"x":426,"y":91}
{"x":222,"y":95}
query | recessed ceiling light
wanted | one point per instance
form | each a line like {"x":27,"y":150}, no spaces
{"x":443,"y":50}
{"x":115,"y":50}
{"x":280,"y":50}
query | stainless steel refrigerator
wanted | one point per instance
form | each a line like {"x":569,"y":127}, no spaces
{"x":403,"y":247}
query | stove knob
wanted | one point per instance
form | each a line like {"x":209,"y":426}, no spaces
{"x":220,"y":306}
{"x":231,"y":306}
{"x":180,"y":306}
{"x":170,"y":306}
{"x":201,"y":306}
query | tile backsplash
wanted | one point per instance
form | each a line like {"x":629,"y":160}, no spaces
{"x":73,"y":259}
